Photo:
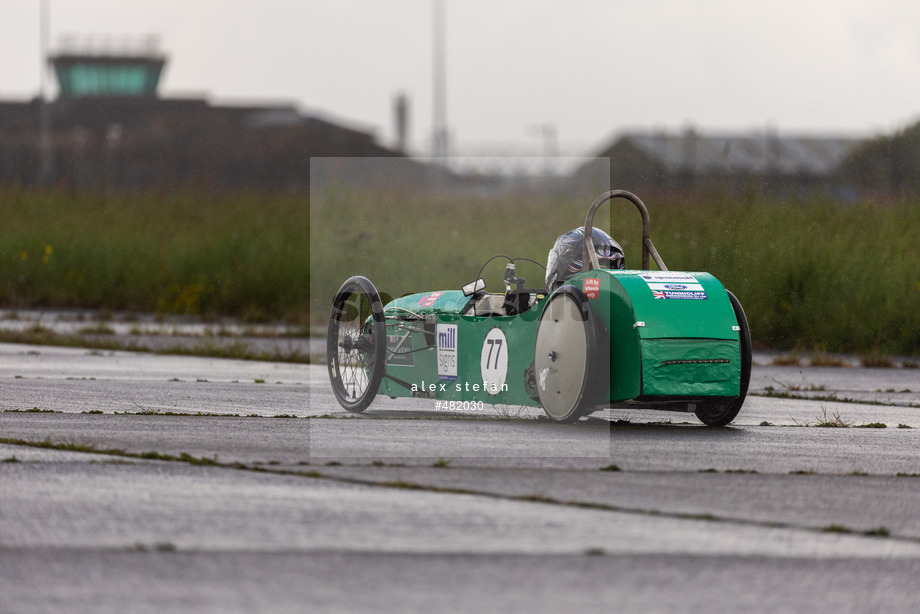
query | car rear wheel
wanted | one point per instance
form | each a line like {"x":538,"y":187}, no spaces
{"x":564,"y":355}
{"x":356,"y":344}
{"x":720,"y":414}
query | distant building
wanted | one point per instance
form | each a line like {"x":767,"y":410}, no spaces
{"x":82,"y":74}
{"x":777,"y":165}
{"x":109,"y":128}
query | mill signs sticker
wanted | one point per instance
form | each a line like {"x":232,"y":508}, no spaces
{"x":447,"y":351}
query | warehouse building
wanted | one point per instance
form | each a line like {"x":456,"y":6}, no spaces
{"x":785,"y":165}
{"x":109,"y":128}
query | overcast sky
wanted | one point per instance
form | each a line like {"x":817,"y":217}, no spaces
{"x":591,"y":68}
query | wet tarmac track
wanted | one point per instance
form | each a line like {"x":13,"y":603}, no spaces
{"x":229,"y":486}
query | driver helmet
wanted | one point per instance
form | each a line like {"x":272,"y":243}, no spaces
{"x":564,"y":259}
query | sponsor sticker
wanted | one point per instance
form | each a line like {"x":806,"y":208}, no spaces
{"x":697,"y":296}
{"x":447,"y":351}
{"x":668,"y":277}
{"x":428,"y":300}
{"x":668,"y":285}
{"x":592,"y":287}
{"x":677,"y":287}
{"x":401,"y":357}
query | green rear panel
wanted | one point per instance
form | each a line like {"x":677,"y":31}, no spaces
{"x":671,"y":333}
{"x":676,"y":367}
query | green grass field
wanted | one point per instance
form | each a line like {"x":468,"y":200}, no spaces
{"x":812,"y":276}
{"x":190,"y":254}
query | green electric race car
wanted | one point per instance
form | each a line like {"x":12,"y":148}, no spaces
{"x":598,"y":337}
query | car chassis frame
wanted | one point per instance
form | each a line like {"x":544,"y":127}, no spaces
{"x":636,"y":339}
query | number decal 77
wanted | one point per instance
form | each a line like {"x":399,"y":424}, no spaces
{"x":492,"y":343}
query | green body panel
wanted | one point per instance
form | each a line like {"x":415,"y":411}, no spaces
{"x":683,"y":319}
{"x":671,"y":334}
{"x":711,"y":317}
{"x":613,"y":307}
{"x":690,"y":367}
{"x":446,"y":301}
{"x":420,"y":374}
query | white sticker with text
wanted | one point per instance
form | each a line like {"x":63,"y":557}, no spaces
{"x":447,"y":351}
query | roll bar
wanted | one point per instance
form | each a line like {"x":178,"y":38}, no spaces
{"x":589,"y":255}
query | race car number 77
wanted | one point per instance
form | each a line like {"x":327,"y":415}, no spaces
{"x":493,"y":362}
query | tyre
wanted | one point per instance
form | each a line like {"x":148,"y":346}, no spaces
{"x":720,"y":414}
{"x":565,"y":356}
{"x":356,"y":344}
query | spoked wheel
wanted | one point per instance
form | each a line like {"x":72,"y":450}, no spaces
{"x":564,"y":356}
{"x":720,"y":414}
{"x":356,"y":344}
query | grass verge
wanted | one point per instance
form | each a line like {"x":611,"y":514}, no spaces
{"x":793,"y":265}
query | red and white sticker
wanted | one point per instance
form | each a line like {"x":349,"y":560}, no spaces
{"x":428,"y":301}
{"x":592,"y":287}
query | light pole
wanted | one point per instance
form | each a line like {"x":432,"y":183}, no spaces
{"x":439,"y":85}
{"x":46,"y":170}
{"x":550,"y":136}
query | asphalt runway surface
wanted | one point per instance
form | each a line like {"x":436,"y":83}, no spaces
{"x":143,"y":483}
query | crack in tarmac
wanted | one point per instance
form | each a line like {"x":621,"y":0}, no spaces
{"x":875,"y":533}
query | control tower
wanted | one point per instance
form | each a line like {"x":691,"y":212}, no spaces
{"x":105,"y":71}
